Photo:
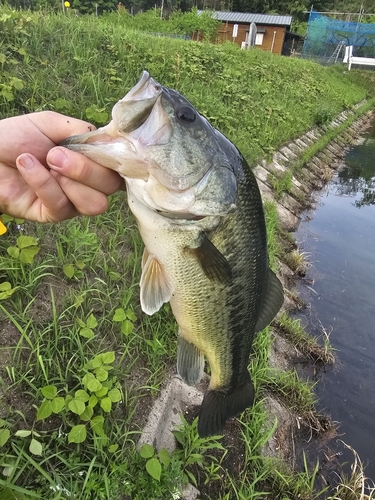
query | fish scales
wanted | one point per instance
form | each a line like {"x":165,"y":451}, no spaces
{"x":218,"y":315}
{"x":200,"y":215}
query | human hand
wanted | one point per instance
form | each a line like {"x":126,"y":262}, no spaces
{"x":44,"y":183}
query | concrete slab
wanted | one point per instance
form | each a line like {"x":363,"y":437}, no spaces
{"x":314,"y":135}
{"x":276,"y":167}
{"x":280,"y":158}
{"x":288,"y":220}
{"x":290,"y":203}
{"x":165,"y":414}
{"x":288,"y":153}
{"x":335,"y":149}
{"x":261,"y":173}
{"x":295,"y":148}
{"x":303,"y":144}
{"x":164,"y":417}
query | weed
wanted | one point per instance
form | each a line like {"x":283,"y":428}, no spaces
{"x":281,"y":183}
{"x":6,"y":290}
{"x":297,"y":394}
{"x":196,"y":451}
{"x":273,"y":231}
{"x":296,"y":334}
{"x":324,"y":115}
{"x":290,"y":484}
{"x":297,"y":262}
{"x":155,"y":461}
{"x":25,"y":249}
{"x":356,"y":486}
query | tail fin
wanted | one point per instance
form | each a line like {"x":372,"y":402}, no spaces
{"x":218,"y":406}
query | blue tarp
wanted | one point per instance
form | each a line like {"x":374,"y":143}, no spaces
{"x":324,"y":35}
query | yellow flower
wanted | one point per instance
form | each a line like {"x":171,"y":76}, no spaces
{"x":3,"y":229}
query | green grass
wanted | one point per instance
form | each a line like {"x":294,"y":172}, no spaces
{"x":256,"y":98}
{"x":78,"y":298}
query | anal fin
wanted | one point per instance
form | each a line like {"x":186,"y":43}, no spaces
{"x":190,"y":362}
{"x":154,"y":284}
{"x":218,"y":406}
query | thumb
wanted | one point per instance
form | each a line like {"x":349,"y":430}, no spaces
{"x":49,"y":202}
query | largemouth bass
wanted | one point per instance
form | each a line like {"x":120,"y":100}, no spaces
{"x":200,"y":215}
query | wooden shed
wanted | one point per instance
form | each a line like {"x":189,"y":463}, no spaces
{"x":270,"y":29}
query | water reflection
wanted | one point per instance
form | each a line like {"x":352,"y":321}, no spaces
{"x":357,"y":178}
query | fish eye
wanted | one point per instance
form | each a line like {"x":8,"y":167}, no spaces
{"x":186,"y":114}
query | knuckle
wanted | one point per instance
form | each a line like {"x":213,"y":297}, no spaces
{"x":80,"y":167}
{"x":97,"y":206}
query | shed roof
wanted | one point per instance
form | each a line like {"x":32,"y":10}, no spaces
{"x":245,"y":17}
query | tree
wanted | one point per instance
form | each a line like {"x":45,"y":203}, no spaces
{"x":91,"y":6}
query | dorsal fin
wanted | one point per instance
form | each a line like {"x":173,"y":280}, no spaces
{"x":272,"y":301}
{"x":155,"y":287}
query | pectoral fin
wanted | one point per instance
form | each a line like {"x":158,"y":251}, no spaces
{"x":213,"y":263}
{"x":272,"y":301}
{"x":155,"y":287}
{"x":190,"y":362}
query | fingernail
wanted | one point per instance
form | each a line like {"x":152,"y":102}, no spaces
{"x":26,"y":161}
{"x":57,"y":158}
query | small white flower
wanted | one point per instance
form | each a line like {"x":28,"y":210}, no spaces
{"x":60,"y":488}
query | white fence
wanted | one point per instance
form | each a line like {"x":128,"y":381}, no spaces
{"x":350,"y":59}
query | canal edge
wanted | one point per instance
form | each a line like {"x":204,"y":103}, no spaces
{"x":289,"y":180}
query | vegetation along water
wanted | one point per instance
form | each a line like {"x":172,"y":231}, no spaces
{"x":80,"y":363}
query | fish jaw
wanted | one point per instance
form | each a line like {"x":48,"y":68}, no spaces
{"x":138,"y":121}
{"x":130,"y":112}
{"x":108,"y":148}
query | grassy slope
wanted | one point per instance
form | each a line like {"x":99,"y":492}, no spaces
{"x":71,"y":64}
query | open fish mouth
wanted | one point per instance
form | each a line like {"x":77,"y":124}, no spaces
{"x":135,"y":108}
{"x":158,"y":137}
{"x":138,"y":121}
{"x":128,"y":115}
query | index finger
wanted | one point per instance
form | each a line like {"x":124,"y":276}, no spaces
{"x":36,"y":133}
{"x":57,"y":126}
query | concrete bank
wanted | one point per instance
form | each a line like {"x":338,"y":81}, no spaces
{"x":314,"y":174}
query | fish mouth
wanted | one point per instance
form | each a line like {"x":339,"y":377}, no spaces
{"x":138,"y":121}
{"x":146,"y":87}
{"x":134,"y":109}
{"x":128,"y":114}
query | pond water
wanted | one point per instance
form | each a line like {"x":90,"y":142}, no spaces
{"x":339,"y":239}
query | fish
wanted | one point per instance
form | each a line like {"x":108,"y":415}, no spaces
{"x":201,"y":218}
